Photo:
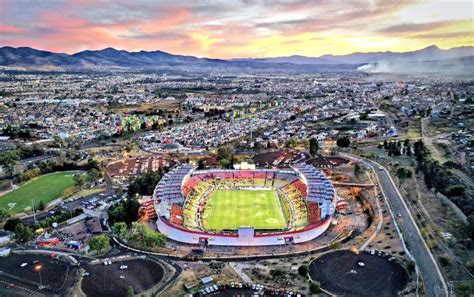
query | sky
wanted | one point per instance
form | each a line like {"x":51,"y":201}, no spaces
{"x":237,"y":29}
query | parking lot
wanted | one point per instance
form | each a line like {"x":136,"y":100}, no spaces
{"x":326,"y":162}
{"x":110,"y":280}
{"x":56,"y":274}
{"x":279,"y":158}
{"x":346,"y":273}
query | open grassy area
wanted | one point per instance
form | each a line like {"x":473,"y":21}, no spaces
{"x":86,"y":192}
{"x":231,"y":209}
{"x":46,"y":188}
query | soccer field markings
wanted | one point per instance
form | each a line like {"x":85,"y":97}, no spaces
{"x":267,"y":218}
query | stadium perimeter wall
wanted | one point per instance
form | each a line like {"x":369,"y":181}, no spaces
{"x":193,"y":237}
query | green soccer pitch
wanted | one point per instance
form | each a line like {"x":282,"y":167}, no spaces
{"x":231,"y":209}
{"x":43,"y":188}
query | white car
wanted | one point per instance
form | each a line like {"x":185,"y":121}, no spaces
{"x":23,"y":264}
{"x":122,"y":267}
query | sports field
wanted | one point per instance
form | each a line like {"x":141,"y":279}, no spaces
{"x":231,"y":209}
{"x":44,"y":188}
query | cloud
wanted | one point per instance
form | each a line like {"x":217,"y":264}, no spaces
{"x":222,"y":29}
{"x":415,"y":27}
{"x":11,"y":29}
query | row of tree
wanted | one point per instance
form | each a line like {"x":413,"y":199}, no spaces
{"x":225,"y":157}
{"x":146,"y":183}
{"x":140,"y":234}
{"x":397,"y":148}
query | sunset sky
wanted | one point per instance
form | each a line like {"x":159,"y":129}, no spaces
{"x":236,"y":29}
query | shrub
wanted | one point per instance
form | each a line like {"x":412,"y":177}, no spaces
{"x":455,"y":190}
{"x":444,"y":261}
{"x":315,"y":287}
{"x":303,"y":270}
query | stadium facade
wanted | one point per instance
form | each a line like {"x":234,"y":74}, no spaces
{"x":306,"y":196}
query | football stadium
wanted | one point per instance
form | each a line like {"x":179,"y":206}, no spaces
{"x":244,"y":207}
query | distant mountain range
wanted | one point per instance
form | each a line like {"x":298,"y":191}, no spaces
{"x":429,"y":53}
{"x":110,"y":58}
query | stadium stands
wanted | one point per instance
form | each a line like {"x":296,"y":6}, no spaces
{"x":308,"y":196}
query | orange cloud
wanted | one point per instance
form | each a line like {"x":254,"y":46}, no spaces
{"x":233,"y":29}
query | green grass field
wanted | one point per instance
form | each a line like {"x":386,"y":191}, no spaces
{"x":231,"y":209}
{"x":46,"y":188}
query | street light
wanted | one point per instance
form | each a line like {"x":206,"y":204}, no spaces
{"x":38,"y":268}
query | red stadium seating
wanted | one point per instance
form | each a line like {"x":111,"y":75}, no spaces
{"x":313,"y":212}
{"x":176,"y":214}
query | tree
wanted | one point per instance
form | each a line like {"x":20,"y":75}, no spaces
{"x":343,"y":141}
{"x":99,"y":243}
{"x":58,"y":141}
{"x":41,"y":205}
{"x":419,"y":150}
{"x":313,"y":146}
{"x":401,"y":173}
{"x":4,"y":215}
{"x":201,"y":164}
{"x":144,"y":184}
{"x":408,"y":150}
{"x":224,"y":163}
{"x":358,"y":170}
{"x":125,"y":211}
{"x":144,"y":236}
{"x":290,"y":143}
{"x":315,"y":287}
{"x":303,"y":270}
{"x":79,"y":180}
{"x":130,"y":292}
{"x":455,"y":190}
{"x":120,"y":229}
{"x":10,"y":162}
{"x":223,"y":153}
{"x":94,"y":175}
{"x":11,"y":224}
{"x":463,"y":289}
{"x":30,"y":173}
{"x":470,"y":226}
{"x":445,"y":261}
{"x":23,"y":233}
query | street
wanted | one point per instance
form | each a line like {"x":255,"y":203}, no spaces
{"x":433,"y":279}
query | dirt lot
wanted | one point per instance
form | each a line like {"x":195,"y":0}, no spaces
{"x":279,"y":158}
{"x":339,"y":273}
{"x":327,"y":162}
{"x":105,"y":280}
{"x":56,"y":275}
{"x":136,"y":166}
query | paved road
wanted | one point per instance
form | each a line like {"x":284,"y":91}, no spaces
{"x":71,"y":205}
{"x":433,"y":279}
